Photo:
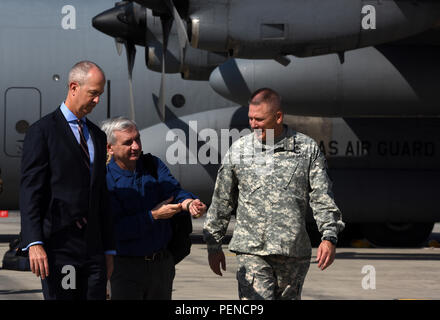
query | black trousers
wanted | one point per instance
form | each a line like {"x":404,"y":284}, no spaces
{"x":135,"y":278}
{"x":74,"y":273}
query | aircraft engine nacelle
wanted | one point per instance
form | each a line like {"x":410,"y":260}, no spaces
{"x":382,"y":81}
{"x":196,"y":64}
{"x":263,"y":30}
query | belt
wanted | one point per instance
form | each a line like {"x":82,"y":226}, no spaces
{"x":81,"y":223}
{"x":152,"y":257}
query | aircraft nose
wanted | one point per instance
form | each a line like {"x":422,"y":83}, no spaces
{"x":233,"y":80}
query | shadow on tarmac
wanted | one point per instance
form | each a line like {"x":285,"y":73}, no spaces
{"x":387,"y":256}
{"x":6,"y":292}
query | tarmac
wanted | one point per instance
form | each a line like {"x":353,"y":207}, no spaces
{"x":357,"y":273}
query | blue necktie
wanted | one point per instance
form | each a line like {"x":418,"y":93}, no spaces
{"x":83,"y":143}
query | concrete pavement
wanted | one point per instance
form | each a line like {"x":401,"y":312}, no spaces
{"x":357,"y":273}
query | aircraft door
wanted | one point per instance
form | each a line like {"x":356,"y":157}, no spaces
{"x":22,"y":109}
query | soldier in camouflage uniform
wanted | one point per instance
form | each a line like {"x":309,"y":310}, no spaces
{"x":269,"y":183}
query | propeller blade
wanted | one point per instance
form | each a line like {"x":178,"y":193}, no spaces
{"x":155,"y":5}
{"x":130,"y":49}
{"x":166,"y":28}
{"x":118,"y":47}
{"x":180,"y":26}
{"x":181,"y":33}
{"x":162,"y":92}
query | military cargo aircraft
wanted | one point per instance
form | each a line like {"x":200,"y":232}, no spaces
{"x":359,"y":76}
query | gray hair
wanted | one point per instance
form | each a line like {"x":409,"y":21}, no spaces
{"x":109,"y":126}
{"x":79,"y":71}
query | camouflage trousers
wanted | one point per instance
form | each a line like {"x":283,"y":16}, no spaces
{"x":271,"y":277}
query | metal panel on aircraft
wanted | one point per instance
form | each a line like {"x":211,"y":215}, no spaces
{"x":22,"y":109}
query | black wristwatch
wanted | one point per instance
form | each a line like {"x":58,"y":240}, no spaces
{"x":333,"y":240}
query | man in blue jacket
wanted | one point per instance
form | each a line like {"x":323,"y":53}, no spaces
{"x":143,"y":197}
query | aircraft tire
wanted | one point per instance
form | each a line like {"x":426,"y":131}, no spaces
{"x":1,"y":182}
{"x":397,"y":235}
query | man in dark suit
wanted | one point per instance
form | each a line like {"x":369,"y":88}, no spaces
{"x":65,"y":221}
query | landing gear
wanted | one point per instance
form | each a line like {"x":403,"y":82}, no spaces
{"x":397,"y":234}
{"x":379,"y":234}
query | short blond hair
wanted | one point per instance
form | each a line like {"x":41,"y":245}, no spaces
{"x":266,"y":95}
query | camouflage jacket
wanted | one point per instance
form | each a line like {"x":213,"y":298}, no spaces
{"x":270,"y":188}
